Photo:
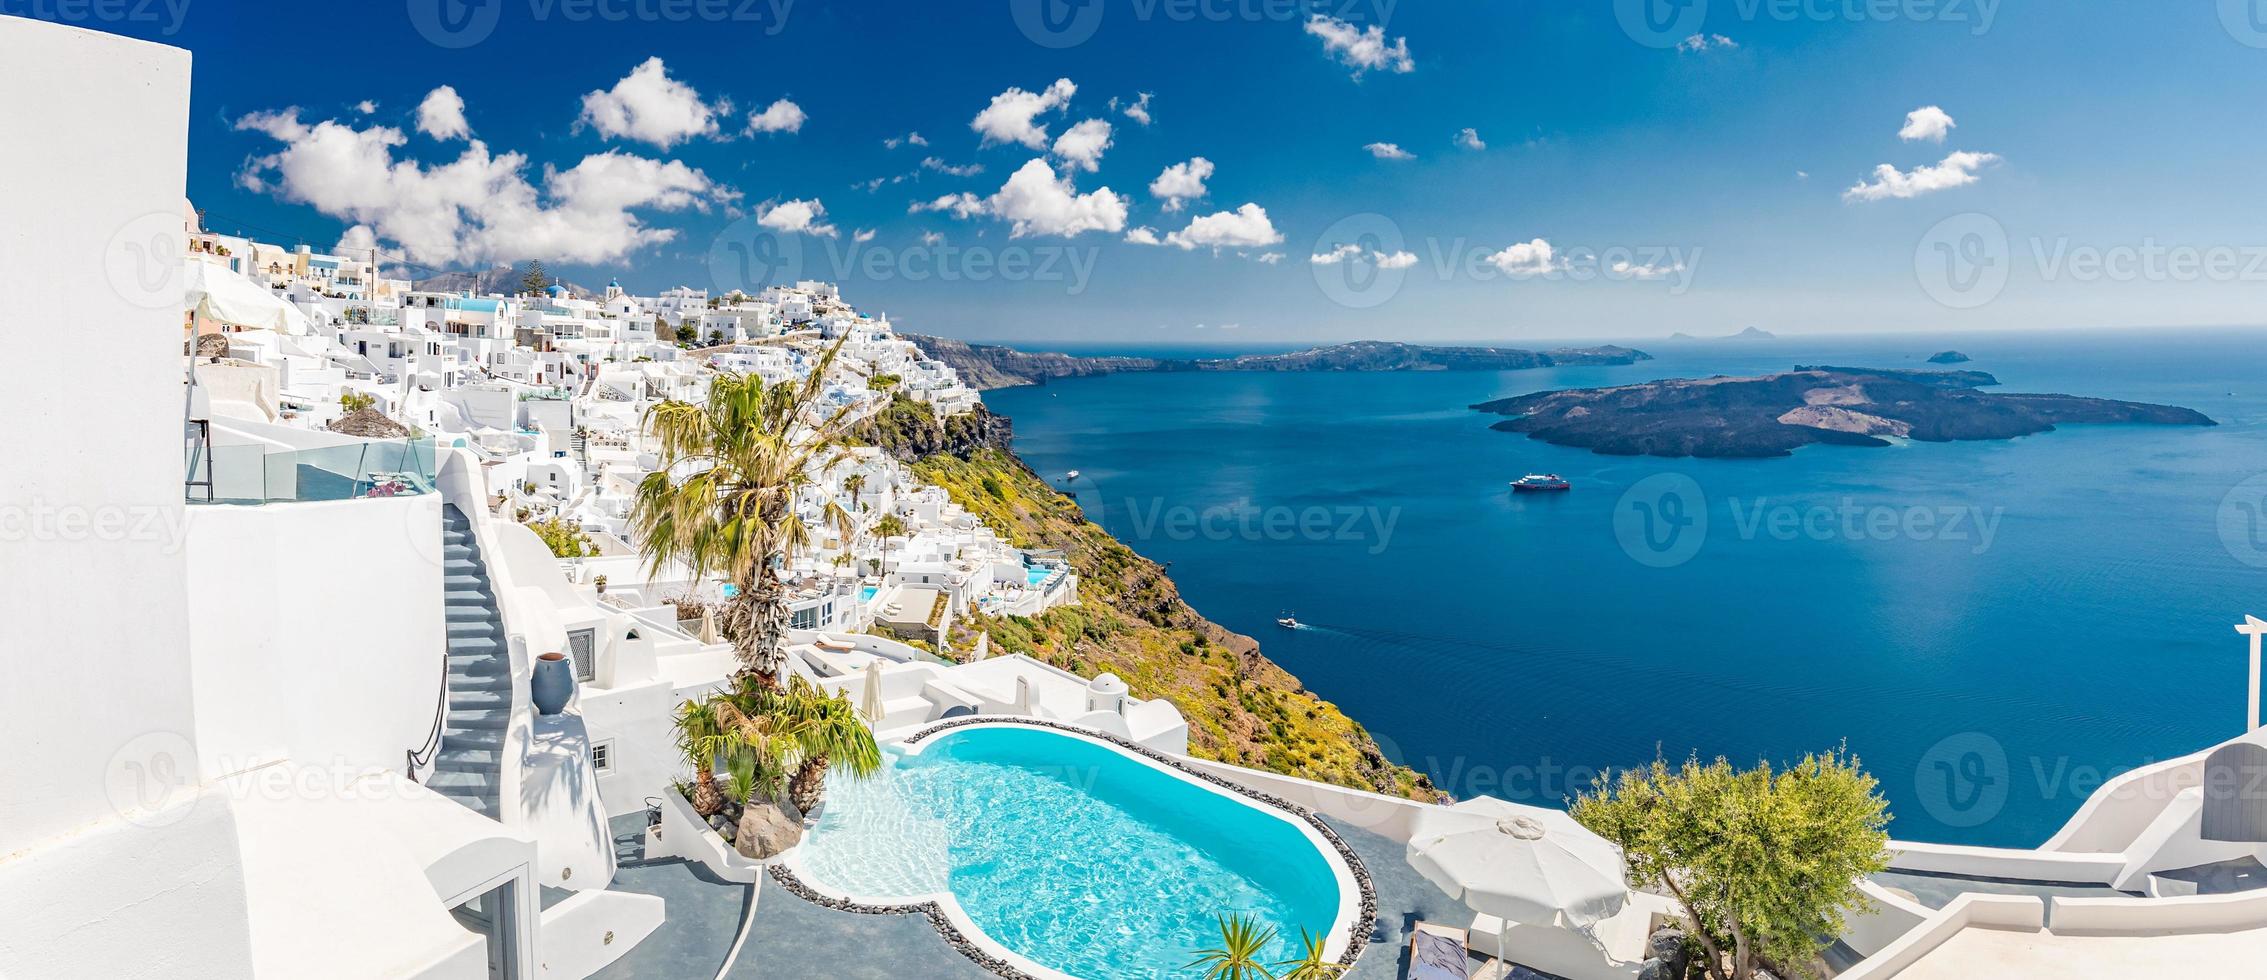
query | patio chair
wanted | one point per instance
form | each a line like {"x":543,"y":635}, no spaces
{"x":1439,"y":953}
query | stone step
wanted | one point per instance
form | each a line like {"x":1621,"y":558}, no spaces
{"x":453,"y":782}
{"x":453,"y":582}
{"x":470,"y":760}
{"x":462,"y":611}
{"x":484,"y":738}
{"x":467,"y":719}
{"x":478,"y":698}
{"x":455,"y":596}
{"x":471,"y":627}
{"x":467,"y":646}
{"x":462,"y":565}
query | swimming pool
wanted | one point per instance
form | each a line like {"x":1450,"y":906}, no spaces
{"x":1036,"y":574}
{"x":866,"y":594}
{"x":1073,"y":854}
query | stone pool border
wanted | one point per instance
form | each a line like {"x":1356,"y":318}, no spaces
{"x":1357,"y":938}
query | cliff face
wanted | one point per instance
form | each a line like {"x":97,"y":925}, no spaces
{"x":1773,"y":415}
{"x":1241,"y":707}
{"x":986,"y":366}
{"x":911,"y":431}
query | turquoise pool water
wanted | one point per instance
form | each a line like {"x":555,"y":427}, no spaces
{"x":1069,"y":852}
{"x":867,"y":594}
{"x":1036,"y":574}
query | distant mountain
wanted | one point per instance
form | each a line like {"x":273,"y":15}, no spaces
{"x":1751,"y":333}
{"x":989,"y":366}
{"x":501,"y":279}
{"x":1949,"y":357}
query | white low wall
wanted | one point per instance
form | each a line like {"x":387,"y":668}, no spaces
{"x":583,"y":934}
{"x":2157,"y":916}
{"x":2017,"y":912}
{"x":315,"y":631}
{"x":1999,"y":862}
{"x":2117,"y":813}
{"x":1387,"y":816}
{"x":1891,"y":917}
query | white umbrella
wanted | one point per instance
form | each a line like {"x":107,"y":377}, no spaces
{"x":215,"y":293}
{"x":870,"y":700}
{"x":708,"y":627}
{"x":1519,"y":863}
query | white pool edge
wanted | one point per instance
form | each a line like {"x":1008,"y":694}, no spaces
{"x":1350,"y":890}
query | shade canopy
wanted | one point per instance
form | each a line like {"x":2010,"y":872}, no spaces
{"x":1519,"y":863}
{"x":870,"y":699}
{"x":215,"y":293}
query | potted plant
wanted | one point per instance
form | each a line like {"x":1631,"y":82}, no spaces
{"x":600,"y":582}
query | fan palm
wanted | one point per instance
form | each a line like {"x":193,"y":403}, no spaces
{"x":722,"y":500}
{"x":827,"y":730}
{"x":697,"y":729}
{"x":1242,"y":943}
{"x":1312,"y":964}
{"x":755,"y":741}
{"x":855,"y":483}
{"x":886,"y":528}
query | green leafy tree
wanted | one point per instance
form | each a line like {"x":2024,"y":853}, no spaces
{"x":722,"y":500}
{"x":533,"y":282}
{"x":855,"y":483}
{"x":886,"y":528}
{"x":1242,"y":943}
{"x":697,"y":732}
{"x":565,"y":538}
{"x":826,"y":731}
{"x":883,"y":382}
{"x":355,"y":401}
{"x":1765,"y":862}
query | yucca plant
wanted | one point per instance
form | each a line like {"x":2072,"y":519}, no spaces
{"x":697,"y":728}
{"x":722,"y":500}
{"x":828,"y":730}
{"x":1242,"y":943}
{"x":1313,"y":965}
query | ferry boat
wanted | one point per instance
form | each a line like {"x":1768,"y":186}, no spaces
{"x":1540,"y":483}
{"x":1290,"y":623}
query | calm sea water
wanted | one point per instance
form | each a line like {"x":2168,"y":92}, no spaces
{"x":1993,"y":627}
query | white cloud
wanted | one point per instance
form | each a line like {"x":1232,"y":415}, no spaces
{"x":441,"y":115}
{"x":1269,"y":258}
{"x":1957,"y":170}
{"x":1356,"y":253}
{"x":1389,"y":151}
{"x":1649,"y":271}
{"x":1011,"y":118}
{"x":1533,"y":258}
{"x":649,"y":106}
{"x":1703,"y":42}
{"x":479,"y":208}
{"x":1469,"y":139}
{"x":1081,"y":146}
{"x":366,"y":107}
{"x":1927,"y":123}
{"x":951,"y":170}
{"x":862,"y":235}
{"x":1138,"y":109}
{"x":1144,"y":236}
{"x":960,"y":205}
{"x":1245,"y":227}
{"x":358,"y":240}
{"x":780,"y":117}
{"x":1038,"y":203}
{"x":932,"y":238}
{"x":797,"y":217}
{"x":1361,"y":49}
{"x":1181,"y":183}
{"x":909,"y":139}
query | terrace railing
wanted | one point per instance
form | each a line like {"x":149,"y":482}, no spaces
{"x":259,"y":474}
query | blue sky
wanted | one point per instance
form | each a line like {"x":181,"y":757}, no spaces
{"x":2100,"y":169}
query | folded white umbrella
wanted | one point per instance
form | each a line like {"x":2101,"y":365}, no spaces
{"x":1519,"y":863}
{"x":216,"y":293}
{"x":870,"y":699}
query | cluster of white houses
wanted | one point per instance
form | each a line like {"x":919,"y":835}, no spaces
{"x":275,"y":612}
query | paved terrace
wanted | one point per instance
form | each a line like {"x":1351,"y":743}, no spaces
{"x":794,"y":938}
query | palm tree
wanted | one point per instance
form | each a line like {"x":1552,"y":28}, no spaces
{"x":753,"y":741}
{"x":697,"y":729}
{"x":827,"y":730}
{"x":854,"y":483}
{"x":722,"y":500}
{"x":888,"y":527}
{"x":1313,"y":965}
{"x":1242,"y":942}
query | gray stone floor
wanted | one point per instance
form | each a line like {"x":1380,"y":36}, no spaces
{"x":703,"y":915}
{"x":794,"y":940}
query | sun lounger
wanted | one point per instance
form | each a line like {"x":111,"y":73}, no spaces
{"x":1438,"y":953}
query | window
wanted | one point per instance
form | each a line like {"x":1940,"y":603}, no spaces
{"x":582,"y":646}
{"x":602,"y":756}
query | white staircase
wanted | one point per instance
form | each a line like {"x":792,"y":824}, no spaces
{"x":470,"y":764}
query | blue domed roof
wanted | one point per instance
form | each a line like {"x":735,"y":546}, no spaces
{"x":558,"y":289}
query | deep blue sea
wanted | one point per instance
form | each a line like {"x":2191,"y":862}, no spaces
{"x":1992,"y":627}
